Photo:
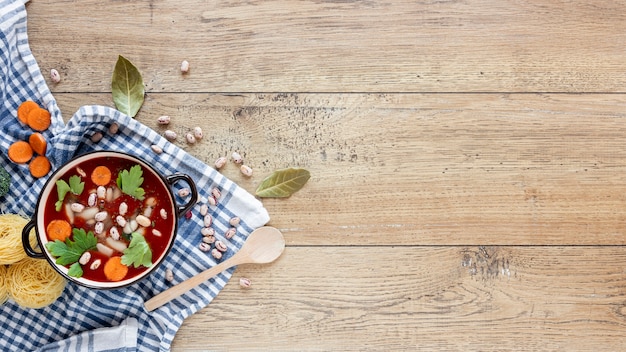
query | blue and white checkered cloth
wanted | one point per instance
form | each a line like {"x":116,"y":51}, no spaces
{"x":82,"y":319}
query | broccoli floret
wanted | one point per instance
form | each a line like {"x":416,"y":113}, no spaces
{"x":5,"y":181}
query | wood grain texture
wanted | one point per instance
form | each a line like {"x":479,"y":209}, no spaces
{"x":420,"y":169}
{"x":337,"y":46}
{"x":467,"y":160}
{"x":421,"y":298}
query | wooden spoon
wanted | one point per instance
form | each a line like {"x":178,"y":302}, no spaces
{"x":263,"y":245}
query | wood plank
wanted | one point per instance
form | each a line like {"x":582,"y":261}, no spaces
{"x":429,"y":298}
{"x":335,"y":46}
{"x":431,"y":169}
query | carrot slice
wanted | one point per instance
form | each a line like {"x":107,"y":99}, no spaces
{"x":59,"y":230}
{"x":20,"y":152}
{"x":101,"y":175}
{"x":39,"y":167}
{"x":39,"y":119}
{"x":38,"y":143}
{"x":114,"y":270}
{"x":24,"y":109}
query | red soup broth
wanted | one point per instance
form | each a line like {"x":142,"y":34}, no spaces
{"x":156,"y":196}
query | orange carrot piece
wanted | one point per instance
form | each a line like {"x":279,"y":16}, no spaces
{"x":114,"y":270}
{"x":20,"y":152}
{"x":39,"y":167}
{"x":58,"y":230}
{"x":101,"y":175}
{"x":38,"y":143}
{"x":24,"y":109}
{"x":39,"y":119}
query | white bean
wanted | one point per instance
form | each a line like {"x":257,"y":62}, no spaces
{"x":101,"y":216}
{"x":84,"y":258}
{"x":123,"y":208}
{"x":96,"y":264}
{"x":77,"y":207}
{"x":114,"y":233}
{"x":120,"y":220}
{"x":143,"y":221}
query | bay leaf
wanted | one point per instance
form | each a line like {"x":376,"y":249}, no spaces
{"x":127,"y":87}
{"x":283,"y":183}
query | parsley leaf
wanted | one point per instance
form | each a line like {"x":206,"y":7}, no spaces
{"x":62,"y":189}
{"x":69,"y":252}
{"x":75,"y":270}
{"x":129,"y":181}
{"x":75,"y":186}
{"x":138,"y":252}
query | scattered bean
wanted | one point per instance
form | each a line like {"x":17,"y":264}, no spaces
{"x":208,"y":239}
{"x":205,"y":247}
{"x":204,"y":209}
{"x":169,"y":275}
{"x":216,"y":254}
{"x":96,"y":137}
{"x":245,"y":283}
{"x":212,"y":201}
{"x":220,"y":162}
{"x":55,"y":76}
{"x":114,"y":128}
{"x":157,"y":233}
{"x":188,"y":215}
{"x":230,"y":233}
{"x":197,"y":132}
{"x":234,"y":221}
{"x":246,"y":170}
{"x":171,"y":135}
{"x":156,"y":149}
{"x":237,"y":158}
{"x":163,"y":120}
{"x":191,"y":139}
{"x":207,"y":231}
{"x":183,"y":192}
{"x":216,"y":193}
{"x":184,"y":66}
{"x":163,"y":214}
{"x":208,"y":220}
{"x":84,"y":258}
{"x":220,"y":246}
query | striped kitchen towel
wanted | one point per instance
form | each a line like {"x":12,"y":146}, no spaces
{"x":82,"y":318}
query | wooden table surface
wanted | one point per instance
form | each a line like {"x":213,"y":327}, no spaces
{"x":468,"y":160}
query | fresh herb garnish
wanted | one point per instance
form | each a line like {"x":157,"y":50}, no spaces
{"x":129,"y":181}
{"x":76,"y":186}
{"x":138,"y":252}
{"x":69,"y":252}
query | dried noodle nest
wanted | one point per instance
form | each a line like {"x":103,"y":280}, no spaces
{"x":4,"y":290}
{"x":33,"y":283}
{"x":11,"y":248}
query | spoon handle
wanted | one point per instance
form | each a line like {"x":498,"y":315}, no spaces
{"x":177,"y":290}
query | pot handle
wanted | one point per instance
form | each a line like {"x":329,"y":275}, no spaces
{"x":182,"y":209}
{"x":26,"y":240}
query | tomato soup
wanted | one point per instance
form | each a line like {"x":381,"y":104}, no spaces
{"x":108,"y":219}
